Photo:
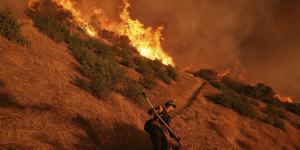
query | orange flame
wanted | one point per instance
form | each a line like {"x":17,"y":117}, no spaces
{"x":146,"y":40}
{"x":226,"y":72}
{"x":237,"y":71}
{"x":284,"y":98}
{"x":31,"y":3}
{"x":69,"y":5}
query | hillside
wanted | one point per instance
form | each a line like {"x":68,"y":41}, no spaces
{"x":42,"y":108}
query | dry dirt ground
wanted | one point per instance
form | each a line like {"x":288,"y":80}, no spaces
{"x":41,"y":108}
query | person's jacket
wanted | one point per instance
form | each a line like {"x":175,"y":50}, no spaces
{"x":162,"y":112}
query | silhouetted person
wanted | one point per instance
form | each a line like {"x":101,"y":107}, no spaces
{"x":157,"y":129}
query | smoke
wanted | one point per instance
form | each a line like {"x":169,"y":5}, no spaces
{"x":17,"y":6}
{"x":201,"y":33}
{"x":271,"y":51}
{"x":109,"y":8}
{"x":263,"y":35}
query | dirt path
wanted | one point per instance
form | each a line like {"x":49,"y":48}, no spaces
{"x":191,"y":100}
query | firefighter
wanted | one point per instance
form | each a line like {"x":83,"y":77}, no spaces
{"x":157,"y":129}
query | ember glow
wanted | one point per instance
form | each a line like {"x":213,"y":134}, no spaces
{"x":284,"y":98}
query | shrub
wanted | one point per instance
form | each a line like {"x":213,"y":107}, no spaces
{"x":121,"y":44}
{"x":265,"y":93}
{"x":156,"y":65}
{"x":103,"y":71}
{"x":292,"y":107}
{"x":50,"y":9}
{"x":75,"y":41}
{"x":51,"y":19}
{"x":244,"y":108}
{"x":100,"y":87}
{"x":155,"y":68}
{"x":224,"y":99}
{"x":253,"y":101}
{"x":260,"y":91}
{"x":53,"y":28}
{"x":206,"y":74}
{"x":127,"y":62}
{"x":138,"y":60}
{"x":148,"y":82}
{"x":219,"y":85}
{"x":171,"y":72}
{"x":273,"y":110}
{"x":164,"y":77}
{"x":275,"y":121}
{"x":237,"y":86}
{"x":120,"y":41}
{"x":143,"y":67}
{"x":134,"y":92}
{"x":232,"y":100}
{"x":273,"y":116}
{"x":102,"y":49}
{"x":216,"y":84}
{"x":84,"y":56}
{"x":250,"y":91}
{"x":10,"y":28}
{"x":104,"y":74}
{"x":83,"y":84}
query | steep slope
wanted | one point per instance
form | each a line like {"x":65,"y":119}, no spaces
{"x":210,"y":126}
{"x":47,"y":111}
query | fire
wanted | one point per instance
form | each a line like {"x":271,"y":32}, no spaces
{"x":146,"y":40}
{"x":69,"y":5}
{"x":284,"y":98}
{"x":31,"y":3}
{"x":237,"y":71}
{"x":223,"y":74}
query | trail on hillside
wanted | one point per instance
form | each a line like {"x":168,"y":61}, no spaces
{"x":192,"y":98}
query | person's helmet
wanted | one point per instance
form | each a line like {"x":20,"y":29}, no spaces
{"x":170,"y":103}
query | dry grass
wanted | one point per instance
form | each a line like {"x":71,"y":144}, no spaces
{"x":59,"y":115}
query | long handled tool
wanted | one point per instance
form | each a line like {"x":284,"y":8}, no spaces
{"x":158,"y":116}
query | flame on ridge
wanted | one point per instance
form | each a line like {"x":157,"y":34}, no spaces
{"x":146,"y":40}
{"x":69,"y":5}
{"x":284,"y":98}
